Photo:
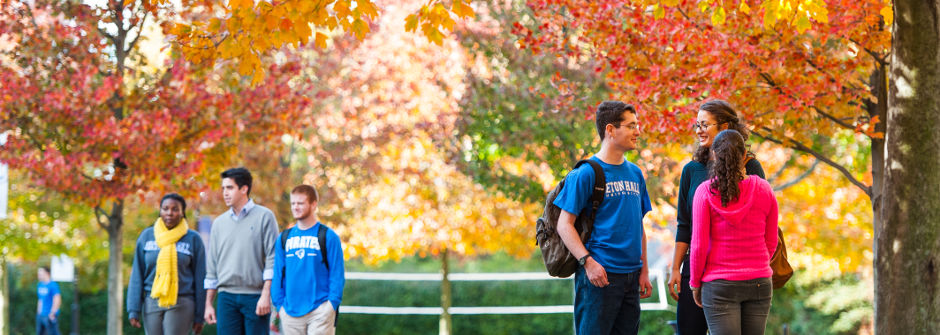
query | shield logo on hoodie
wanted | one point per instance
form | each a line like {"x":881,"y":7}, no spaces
{"x":300,"y":253}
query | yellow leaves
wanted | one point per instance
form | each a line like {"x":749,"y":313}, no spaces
{"x":320,"y":40}
{"x":888,"y":14}
{"x":215,"y":24}
{"x":240,"y":4}
{"x":411,"y":23}
{"x":341,"y":9}
{"x":244,"y":31}
{"x":802,"y":24}
{"x":798,"y":13}
{"x":795,"y":12}
{"x":303,"y":31}
{"x":434,"y":19}
{"x":718,"y":16}
{"x":359,"y":29}
{"x":868,"y":128}
{"x":659,"y":12}
{"x":462,"y":10}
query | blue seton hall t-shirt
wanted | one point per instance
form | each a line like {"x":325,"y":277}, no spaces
{"x":47,"y":291}
{"x":618,"y":224}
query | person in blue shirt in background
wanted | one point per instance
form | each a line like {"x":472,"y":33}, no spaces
{"x":47,"y":309}
{"x":307,"y":288}
{"x":613,"y":274}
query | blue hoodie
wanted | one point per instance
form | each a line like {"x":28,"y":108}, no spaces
{"x":307,"y":283}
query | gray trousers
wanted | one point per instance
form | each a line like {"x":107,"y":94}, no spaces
{"x":737,"y":307}
{"x":175,"y":320}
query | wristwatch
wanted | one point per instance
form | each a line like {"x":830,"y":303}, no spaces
{"x":582,"y":260}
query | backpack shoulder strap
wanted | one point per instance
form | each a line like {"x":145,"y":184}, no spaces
{"x":284,"y":248}
{"x":321,"y":238}
{"x":284,"y":238}
{"x":600,"y":184}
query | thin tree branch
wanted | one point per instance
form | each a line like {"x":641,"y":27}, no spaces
{"x":140,"y":31}
{"x":797,"y":179}
{"x":779,"y":89}
{"x":788,"y":142}
{"x":98,"y":213}
{"x":782,"y":168}
{"x":881,"y":59}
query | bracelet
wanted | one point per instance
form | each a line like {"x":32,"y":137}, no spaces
{"x":695,"y":289}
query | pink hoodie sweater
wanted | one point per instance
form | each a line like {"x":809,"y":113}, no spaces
{"x":734,"y":242}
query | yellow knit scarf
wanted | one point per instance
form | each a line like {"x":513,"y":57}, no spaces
{"x":166,"y":280}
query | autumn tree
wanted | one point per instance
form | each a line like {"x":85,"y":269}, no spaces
{"x":383,"y":151}
{"x":828,"y":66}
{"x":242,"y":32}
{"x":797,"y":86}
{"x":83,"y":121}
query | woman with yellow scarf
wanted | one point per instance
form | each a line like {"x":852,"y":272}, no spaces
{"x":165,"y":289}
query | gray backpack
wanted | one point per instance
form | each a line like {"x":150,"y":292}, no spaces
{"x":558,"y":261}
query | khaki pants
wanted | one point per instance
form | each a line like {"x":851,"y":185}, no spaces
{"x":320,"y":321}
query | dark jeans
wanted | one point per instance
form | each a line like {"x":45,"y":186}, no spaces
{"x":690,"y":317}
{"x":614,"y":309}
{"x":737,"y":307}
{"x":44,"y":326}
{"x":235,"y":314}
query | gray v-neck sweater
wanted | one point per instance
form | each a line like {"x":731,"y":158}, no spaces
{"x":241,"y":253}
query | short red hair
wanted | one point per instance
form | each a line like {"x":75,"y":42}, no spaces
{"x":307,"y":190}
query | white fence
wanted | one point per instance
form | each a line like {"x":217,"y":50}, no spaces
{"x":656,"y":276}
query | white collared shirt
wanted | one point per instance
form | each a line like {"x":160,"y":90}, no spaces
{"x":245,"y":209}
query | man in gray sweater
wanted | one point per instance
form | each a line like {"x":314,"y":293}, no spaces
{"x":240,"y":260}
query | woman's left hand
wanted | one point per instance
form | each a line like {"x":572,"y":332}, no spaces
{"x":197,"y":328}
{"x":697,"y":295}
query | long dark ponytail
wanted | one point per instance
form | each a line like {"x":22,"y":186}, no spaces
{"x":725,"y":171}
{"x":724,"y":114}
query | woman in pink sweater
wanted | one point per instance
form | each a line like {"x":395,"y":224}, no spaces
{"x":735,"y":220}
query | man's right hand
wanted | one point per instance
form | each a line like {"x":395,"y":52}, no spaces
{"x":675,"y":284}
{"x":209,"y":315}
{"x":595,"y":272}
{"x":135,"y":323}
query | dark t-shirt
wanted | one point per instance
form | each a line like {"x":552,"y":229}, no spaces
{"x":693,"y":175}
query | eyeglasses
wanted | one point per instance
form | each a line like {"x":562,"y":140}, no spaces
{"x":703,"y":125}
{"x":631,"y":125}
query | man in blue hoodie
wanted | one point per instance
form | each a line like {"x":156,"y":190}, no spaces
{"x":308,"y":270}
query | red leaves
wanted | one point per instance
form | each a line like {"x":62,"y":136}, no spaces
{"x":672,"y":63}
{"x":75,"y":125}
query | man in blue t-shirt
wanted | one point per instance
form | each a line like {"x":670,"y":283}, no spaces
{"x":47,"y":309}
{"x":307,"y":289}
{"x":614,"y":274}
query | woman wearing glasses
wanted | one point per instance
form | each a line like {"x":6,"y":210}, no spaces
{"x":713,"y":117}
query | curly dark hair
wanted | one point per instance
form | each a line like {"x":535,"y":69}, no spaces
{"x":726,"y":171}
{"x":724,"y":114}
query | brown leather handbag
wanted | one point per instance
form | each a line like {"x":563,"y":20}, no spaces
{"x":779,"y":263}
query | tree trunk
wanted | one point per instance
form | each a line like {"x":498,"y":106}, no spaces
{"x":115,"y":268}
{"x":879,"y":109}
{"x":907,"y":247}
{"x":445,"y":323}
